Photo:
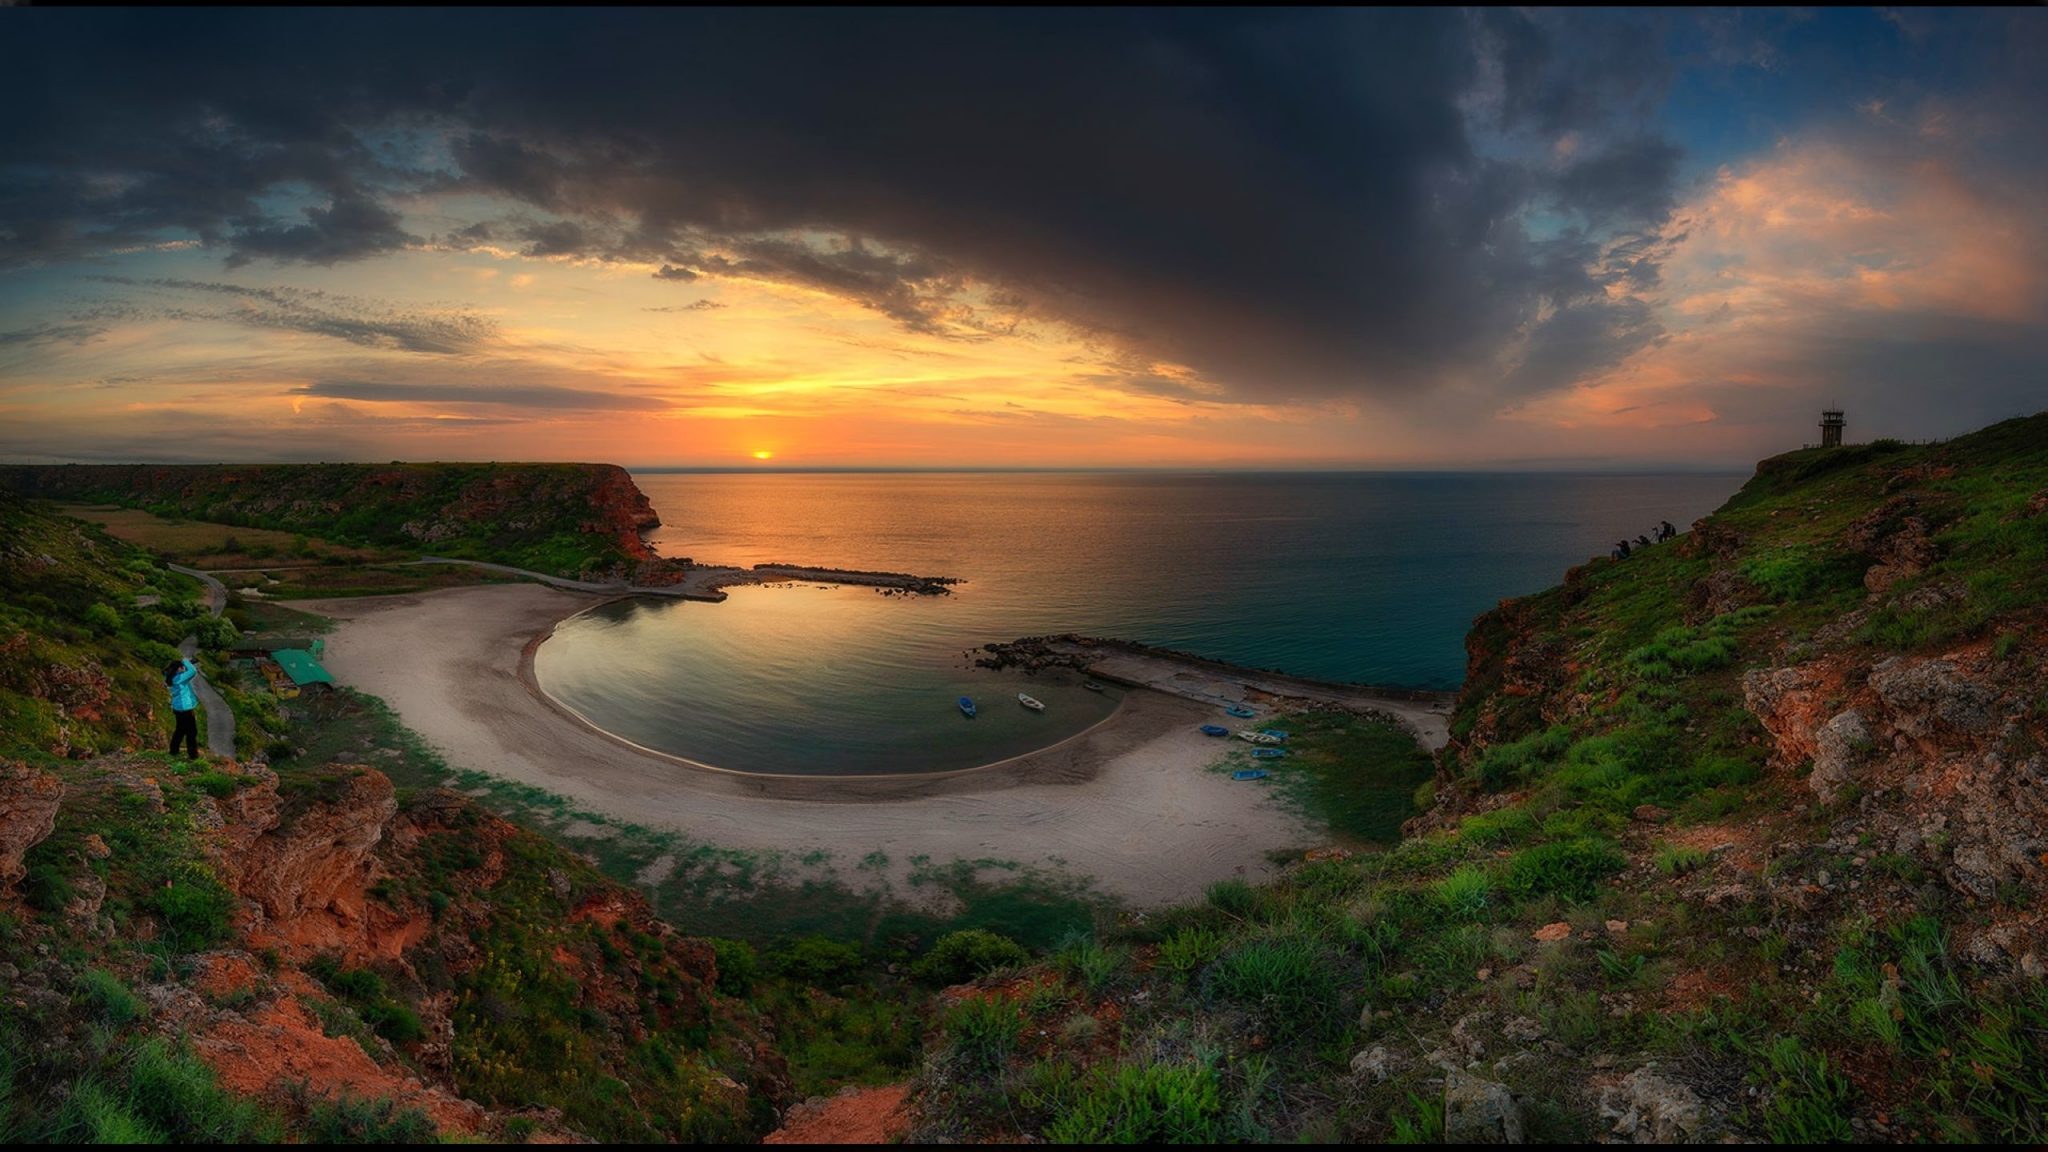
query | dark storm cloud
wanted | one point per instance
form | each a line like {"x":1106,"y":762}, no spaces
{"x":352,"y":227}
{"x":370,"y":323}
{"x":1290,"y":202}
{"x":527,"y":396}
{"x":1629,"y":182}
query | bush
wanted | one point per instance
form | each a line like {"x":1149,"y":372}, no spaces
{"x":196,"y":910}
{"x":159,"y":627}
{"x":214,"y":632}
{"x":962,"y":956}
{"x":103,"y":618}
{"x":737,"y":966}
{"x":1571,"y":869}
{"x":1142,"y":1104}
{"x":815,"y":960}
{"x":1085,"y":959}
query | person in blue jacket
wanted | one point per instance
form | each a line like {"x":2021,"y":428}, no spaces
{"x":178,"y":677}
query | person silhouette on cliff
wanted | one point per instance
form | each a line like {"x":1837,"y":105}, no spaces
{"x":178,"y":677}
{"x":1666,"y":531}
{"x":1621,"y":550}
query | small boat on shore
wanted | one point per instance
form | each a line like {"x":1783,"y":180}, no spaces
{"x":1091,"y":685}
{"x":1277,"y":734}
{"x":1257,"y":737}
{"x":1215,"y":730}
{"x":967,"y":707}
{"x":1240,"y":711}
{"x":1030,"y":702}
{"x":1267,"y":753}
{"x":1249,"y":774}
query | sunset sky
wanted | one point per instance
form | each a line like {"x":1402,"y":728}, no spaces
{"x":1259,"y":239}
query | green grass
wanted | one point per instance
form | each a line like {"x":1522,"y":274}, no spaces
{"x":1141,"y":1104}
{"x":1355,"y":775}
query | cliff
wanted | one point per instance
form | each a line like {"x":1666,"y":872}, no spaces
{"x":564,"y":519}
{"x":1742,"y":837}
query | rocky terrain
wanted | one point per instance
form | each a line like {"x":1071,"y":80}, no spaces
{"x":318,"y":943}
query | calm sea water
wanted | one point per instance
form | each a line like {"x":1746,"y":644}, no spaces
{"x":1343,"y":576}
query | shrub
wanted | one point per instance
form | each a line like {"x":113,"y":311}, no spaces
{"x":964,"y":955}
{"x":195,"y":909}
{"x":103,"y":618}
{"x":1142,"y":1104}
{"x":159,"y":627}
{"x":737,"y":965}
{"x":815,"y":960}
{"x":393,"y":1021}
{"x":1571,"y":869}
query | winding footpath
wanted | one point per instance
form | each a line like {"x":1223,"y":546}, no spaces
{"x":220,"y":719}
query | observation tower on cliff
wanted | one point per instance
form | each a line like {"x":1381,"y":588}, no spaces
{"x":1831,"y":428}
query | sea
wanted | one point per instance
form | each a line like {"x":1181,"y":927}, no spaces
{"x":1367,"y":578}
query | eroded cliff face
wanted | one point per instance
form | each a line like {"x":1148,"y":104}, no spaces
{"x":1942,"y":753}
{"x":423,"y":953}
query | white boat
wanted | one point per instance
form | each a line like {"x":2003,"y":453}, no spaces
{"x":1030,"y":703}
{"x":1250,"y":736}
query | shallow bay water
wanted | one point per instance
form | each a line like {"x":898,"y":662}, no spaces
{"x":1361,"y":577}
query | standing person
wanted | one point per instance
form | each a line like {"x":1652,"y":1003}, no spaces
{"x":1668,"y":531}
{"x":178,"y":678}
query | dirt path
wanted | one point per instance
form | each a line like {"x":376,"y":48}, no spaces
{"x":1129,"y":802}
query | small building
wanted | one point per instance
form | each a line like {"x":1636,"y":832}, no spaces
{"x":1831,"y":428}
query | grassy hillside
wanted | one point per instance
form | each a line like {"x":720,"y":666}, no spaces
{"x":245,"y":950}
{"x":1741,"y":836}
{"x":563,"y":519}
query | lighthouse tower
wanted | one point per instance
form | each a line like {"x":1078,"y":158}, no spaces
{"x":1831,"y":428}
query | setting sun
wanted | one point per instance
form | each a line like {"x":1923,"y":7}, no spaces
{"x":764,"y":454}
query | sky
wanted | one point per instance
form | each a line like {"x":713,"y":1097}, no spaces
{"x":1205,"y":238}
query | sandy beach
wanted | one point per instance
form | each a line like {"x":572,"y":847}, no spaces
{"x":1129,"y":803}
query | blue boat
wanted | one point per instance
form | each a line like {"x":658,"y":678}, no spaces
{"x":1267,"y":753}
{"x":1276,"y":734}
{"x":967,"y":706}
{"x":1240,"y":711}
{"x":1249,"y":774}
{"x":1215,"y":730}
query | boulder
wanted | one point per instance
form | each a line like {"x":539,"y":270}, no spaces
{"x":28,"y":814}
{"x":1478,"y":1111}
{"x":1840,"y":748}
{"x":1649,"y":1108}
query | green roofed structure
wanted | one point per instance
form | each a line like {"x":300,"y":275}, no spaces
{"x":301,"y":667}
